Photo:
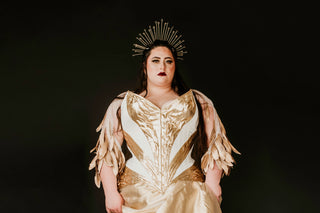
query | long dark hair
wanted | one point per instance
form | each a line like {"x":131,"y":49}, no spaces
{"x":180,"y":87}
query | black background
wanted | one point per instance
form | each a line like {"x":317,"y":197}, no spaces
{"x":62,"y":62}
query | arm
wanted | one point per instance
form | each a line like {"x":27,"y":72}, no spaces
{"x":214,"y":174}
{"x":113,"y":199}
{"x":213,"y":177}
{"x":218,"y":160}
{"x":109,"y":159}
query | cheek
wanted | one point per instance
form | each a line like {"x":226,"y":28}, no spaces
{"x":150,"y":67}
{"x":172,"y":69}
{"x":171,"y":73}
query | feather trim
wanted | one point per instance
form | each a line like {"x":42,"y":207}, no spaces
{"x":220,"y":149}
{"x":108,"y":149}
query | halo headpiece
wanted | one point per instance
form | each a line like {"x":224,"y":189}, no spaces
{"x":160,"y":31}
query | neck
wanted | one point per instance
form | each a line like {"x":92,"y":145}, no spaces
{"x":159,"y":91}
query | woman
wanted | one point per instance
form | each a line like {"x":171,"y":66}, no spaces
{"x":176,"y":143}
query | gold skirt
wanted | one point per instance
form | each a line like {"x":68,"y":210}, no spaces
{"x":180,"y":197}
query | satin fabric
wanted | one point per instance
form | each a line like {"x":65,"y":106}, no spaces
{"x":160,"y":176}
{"x":181,"y":197}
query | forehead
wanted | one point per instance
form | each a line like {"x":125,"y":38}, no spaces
{"x":161,"y":52}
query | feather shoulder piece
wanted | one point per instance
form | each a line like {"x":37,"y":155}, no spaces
{"x":219,"y":147}
{"x":108,"y":147}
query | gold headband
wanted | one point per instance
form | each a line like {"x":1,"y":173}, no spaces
{"x":160,"y":31}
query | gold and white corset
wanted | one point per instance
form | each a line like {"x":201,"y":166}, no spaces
{"x":160,"y":141}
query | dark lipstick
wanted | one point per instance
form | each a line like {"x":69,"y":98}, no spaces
{"x":162,"y":74}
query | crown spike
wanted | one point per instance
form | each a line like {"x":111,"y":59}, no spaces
{"x":165,"y":31}
{"x":159,"y":31}
{"x":137,"y":51}
{"x":156,"y":30}
{"x":151,"y":33}
{"x":136,"y":54}
{"x":174,"y":42}
{"x":147,"y":36}
{"x":182,"y":49}
{"x":174,"y":33}
{"x":178,"y":43}
{"x":142,"y":41}
{"x":169,"y":33}
{"x":142,"y":37}
{"x":139,"y":46}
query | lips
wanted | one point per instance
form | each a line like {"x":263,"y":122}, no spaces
{"x":162,"y":74}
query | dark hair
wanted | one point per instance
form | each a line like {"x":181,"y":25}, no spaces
{"x":179,"y":86}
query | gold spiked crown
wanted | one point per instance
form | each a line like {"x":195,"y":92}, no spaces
{"x":160,"y":31}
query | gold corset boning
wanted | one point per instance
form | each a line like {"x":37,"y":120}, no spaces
{"x":160,"y":141}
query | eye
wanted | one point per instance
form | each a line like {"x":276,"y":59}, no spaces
{"x":169,"y":61}
{"x":155,"y":60}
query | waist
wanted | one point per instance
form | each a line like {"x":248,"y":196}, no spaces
{"x":159,"y":182}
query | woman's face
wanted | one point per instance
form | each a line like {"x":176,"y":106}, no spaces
{"x":160,"y":67}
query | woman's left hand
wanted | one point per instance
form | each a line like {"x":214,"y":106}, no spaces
{"x":213,"y":177}
{"x":216,"y":189}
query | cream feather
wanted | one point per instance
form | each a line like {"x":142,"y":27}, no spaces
{"x":107,"y":152}
{"x":220,"y":149}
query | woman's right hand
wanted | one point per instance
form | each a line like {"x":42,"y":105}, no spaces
{"x":113,"y":199}
{"x":114,"y":202}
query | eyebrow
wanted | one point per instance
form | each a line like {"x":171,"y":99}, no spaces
{"x":157,"y":57}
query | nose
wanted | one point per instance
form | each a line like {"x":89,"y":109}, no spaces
{"x":162,"y":65}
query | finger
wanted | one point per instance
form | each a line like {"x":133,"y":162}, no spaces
{"x":118,"y":210}
{"x":115,"y":210}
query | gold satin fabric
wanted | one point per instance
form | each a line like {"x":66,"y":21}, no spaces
{"x":181,"y":197}
{"x":161,"y":191}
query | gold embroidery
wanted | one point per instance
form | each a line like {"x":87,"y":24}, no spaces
{"x":130,"y":177}
{"x":193,"y":173}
